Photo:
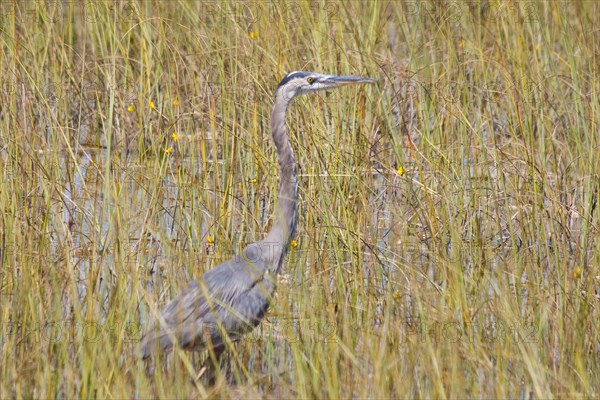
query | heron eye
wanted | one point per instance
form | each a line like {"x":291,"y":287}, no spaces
{"x":310,"y":79}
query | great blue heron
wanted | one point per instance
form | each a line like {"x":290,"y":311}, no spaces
{"x":231,"y":299}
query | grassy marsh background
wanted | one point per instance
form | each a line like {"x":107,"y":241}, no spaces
{"x":448,"y":234}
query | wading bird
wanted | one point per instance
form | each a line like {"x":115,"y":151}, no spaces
{"x":231,"y":299}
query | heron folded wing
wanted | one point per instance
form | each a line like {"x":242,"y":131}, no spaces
{"x":229,"y":299}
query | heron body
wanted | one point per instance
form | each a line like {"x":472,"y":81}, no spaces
{"x":232,"y":298}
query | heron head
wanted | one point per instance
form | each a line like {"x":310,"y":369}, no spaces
{"x":298,"y":83}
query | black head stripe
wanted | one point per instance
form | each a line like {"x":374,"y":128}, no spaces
{"x":291,"y":76}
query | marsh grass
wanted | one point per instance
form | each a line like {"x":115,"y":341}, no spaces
{"x":448,"y":234}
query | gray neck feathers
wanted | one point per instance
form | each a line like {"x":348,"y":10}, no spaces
{"x":277,"y":241}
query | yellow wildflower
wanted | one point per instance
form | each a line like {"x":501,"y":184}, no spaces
{"x":130,"y":108}
{"x":209,"y":239}
{"x":294,"y":244}
{"x":176,"y":102}
{"x":254,"y":180}
{"x":577,"y":273}
{"x":174,"y":136}
{"x":169,"y":150}
{"x":152,"y":105}
{"x":400,"y":171}
{"x":253,"y":35}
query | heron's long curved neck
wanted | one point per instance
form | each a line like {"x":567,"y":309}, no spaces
{"x":284,"y":227}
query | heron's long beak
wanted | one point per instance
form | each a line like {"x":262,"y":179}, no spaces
{"x":344,"y":80}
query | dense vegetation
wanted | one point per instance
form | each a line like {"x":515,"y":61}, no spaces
{"x":448,"y":238}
